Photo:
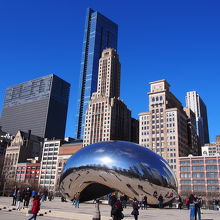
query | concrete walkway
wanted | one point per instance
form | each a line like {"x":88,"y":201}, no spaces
{"x":65,"y":210}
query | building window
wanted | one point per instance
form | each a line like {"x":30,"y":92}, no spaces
{"x":211,"y":167}
{"x":196,"y":168}
{"x":212,"y":181}
{"x":186,"y":187}
{"x":213,"y":188}
{"x":211,"y":161}
{"x":212,"y":175}
{"x":199,"y":188}
{"x":198,"y":181}
{"x":198,"y":175}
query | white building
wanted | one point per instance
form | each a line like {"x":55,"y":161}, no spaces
{"x":49,"y":164}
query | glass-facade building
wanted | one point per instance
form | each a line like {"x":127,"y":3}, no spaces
{"x":39,"y":105}
{"x":99,"y":33}
{"x":196,"y":104}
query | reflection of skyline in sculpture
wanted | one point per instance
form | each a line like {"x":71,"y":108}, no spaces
{"x":121,"y":166}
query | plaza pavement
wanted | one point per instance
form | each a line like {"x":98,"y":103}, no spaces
{"x":65,"y":210}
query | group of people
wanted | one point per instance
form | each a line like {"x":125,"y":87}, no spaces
{"x":117,"y":206}
{"x":195,"y":204}
{"x":26,"y":195}
{"x":20,"y":196}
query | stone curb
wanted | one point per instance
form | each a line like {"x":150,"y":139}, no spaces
{"x":55,"y":214}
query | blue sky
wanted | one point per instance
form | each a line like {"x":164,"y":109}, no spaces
{"x":174,"y":40}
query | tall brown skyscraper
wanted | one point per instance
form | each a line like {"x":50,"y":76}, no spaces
{"x":164,"y":128}
{"x":107,"y":117}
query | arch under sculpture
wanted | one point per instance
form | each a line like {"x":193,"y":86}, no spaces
{"x":105,"y":167}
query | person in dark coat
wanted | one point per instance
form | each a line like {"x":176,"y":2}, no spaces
{"x":124,"y":200}
{"x":14,"y":192}
{"x":35,"y":208}
{"x":113,"y":199}
{"x":27,"y":196}
{"x":116,"y":211}
{"x":160,"y":199}
{"x":192,"y":201}
{"x":144,"y":202}
{"x":135,"y":211}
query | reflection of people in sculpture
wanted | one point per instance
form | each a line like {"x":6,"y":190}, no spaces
{"x":155,"y":194}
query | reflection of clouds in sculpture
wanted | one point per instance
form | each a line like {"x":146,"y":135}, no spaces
{"x":128,"y":154}
{"x":117,"y":165}
{"x":106,"y":160}
{"x":100,"y":150}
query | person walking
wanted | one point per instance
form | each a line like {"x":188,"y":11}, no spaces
{"x":192,"y":206}
{"x":14,"y":192}
{"x":135,"y":206}
{"x":145,"y":202}
{"x":19,"y":199}
{"x":77,"y":198}
{"x":180,"y":205}
{"x":35,"y":208}
{"x":124,"y":199}
{"x":113,"y":199}
{"x":160,"y":199}
{"x":33,"y":193}
{"x":50,"y":196}
{"x":27,"y":196}
{"x":116,"y":211}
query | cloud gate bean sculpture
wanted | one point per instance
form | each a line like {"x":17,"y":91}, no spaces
{"x":105,"y":167}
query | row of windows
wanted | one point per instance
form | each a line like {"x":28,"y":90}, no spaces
{"x":203,"y":188}
{"x":208,"y":161}
{"x":200,"y":168}
{"x":51,"y":149}
{"x":199,"y":181}
{"x":49,"y":158}
{"x":27,"y":172}
{"x":46,"y":182}
{"x":49,"y":162}
{"x":47,"y":177}
{"x":51,"y":145}
{"x":199,"y":175}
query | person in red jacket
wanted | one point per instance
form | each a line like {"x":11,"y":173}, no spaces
{"x":35,"y":208}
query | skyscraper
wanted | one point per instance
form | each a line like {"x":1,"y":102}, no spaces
{"x":196,"y":104}
{"x":39,"y":105}
{"x":107,"y":117}
{"x":164,"y":128}
{"x":99,"y":33}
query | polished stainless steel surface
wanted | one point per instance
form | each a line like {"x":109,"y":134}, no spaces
{"x":104,"y":167}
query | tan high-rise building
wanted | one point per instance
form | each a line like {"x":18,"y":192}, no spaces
{"x":107,"y":117}
{"x":164,"y":128}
